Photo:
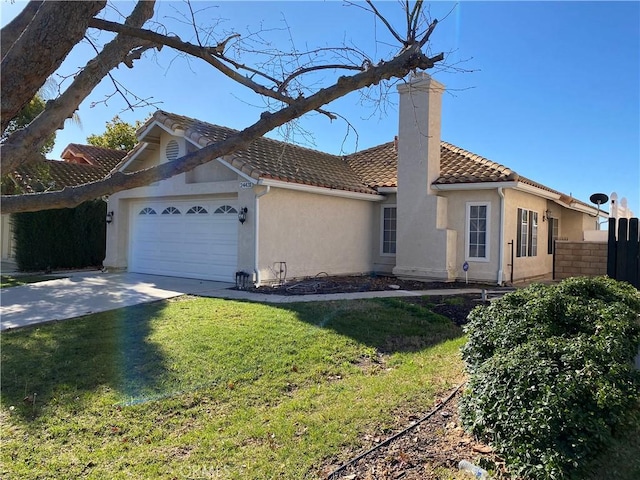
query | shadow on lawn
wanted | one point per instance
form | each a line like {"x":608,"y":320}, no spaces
{"x":61,"y":362}
{"x":387,"y":324}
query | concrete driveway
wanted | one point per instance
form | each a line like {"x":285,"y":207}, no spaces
{"x":91,"y":292}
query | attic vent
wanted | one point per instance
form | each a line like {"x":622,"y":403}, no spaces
{"x":172,"y":150}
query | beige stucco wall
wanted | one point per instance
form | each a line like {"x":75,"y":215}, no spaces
{"x":479,"y":270}
{"x":382,"y":263}
{"x":525,"y":268}
{"x":315,"y":233}
{"x":6,"y":238}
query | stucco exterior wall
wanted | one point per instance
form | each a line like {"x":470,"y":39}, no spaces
{"x":479,"y":269}
{"x":534,"y":267}
{"x":6,"y":239}
{"x":573,"y":224}
{"x":314,"y":233}
{"x":382,"y":263}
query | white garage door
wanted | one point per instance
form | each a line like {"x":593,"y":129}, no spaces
{"x":192,"y":239}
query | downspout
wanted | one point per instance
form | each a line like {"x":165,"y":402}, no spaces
{"x":501,"y":241}
{"x":256,"y":233}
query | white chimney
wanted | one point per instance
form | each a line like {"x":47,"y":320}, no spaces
{"x":425,"y":248}
{"x":419,"y":132}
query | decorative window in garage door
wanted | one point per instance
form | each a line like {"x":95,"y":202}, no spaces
{"x":225,"y":209}
{"x":171,"y":211}
{"x":147,"y":211}
{"x":197,"y":210}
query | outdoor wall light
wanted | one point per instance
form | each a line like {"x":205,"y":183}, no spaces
{"x":109,"y":218}
{"x":546,"y":215}
{"x":242,"y":215}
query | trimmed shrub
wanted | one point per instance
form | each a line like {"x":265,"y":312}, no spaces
{"x":551,"y":374}
{"x":61,"y":238}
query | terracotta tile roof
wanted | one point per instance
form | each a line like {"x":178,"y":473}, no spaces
{"x":107,"y":158}
{"x":55,"y":175}
{"x":271,"y":159}
{"x":364,"y":171}
{"x":377,"y":166}
{"x":81,"y":164}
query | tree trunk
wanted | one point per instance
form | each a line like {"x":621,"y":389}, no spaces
{"x":44,"y":44}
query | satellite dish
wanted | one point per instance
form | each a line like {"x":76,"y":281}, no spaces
{"x":599,"y":198}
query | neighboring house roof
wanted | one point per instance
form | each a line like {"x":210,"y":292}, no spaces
{"x":364,"y":171}
{"x":81,"y":164}
{"x":106,"y":158}
{"x":55,"y":175}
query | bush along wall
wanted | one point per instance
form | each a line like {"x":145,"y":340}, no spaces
{"x":61,"y":238}
{"x":551,"y":371}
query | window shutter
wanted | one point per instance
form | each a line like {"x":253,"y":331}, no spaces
{"x":519,"y":234}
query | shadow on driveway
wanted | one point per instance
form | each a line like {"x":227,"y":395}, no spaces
{"x":87,"y":293}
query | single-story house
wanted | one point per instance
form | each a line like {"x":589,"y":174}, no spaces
{"x":416,"y":207}
{"x":80,"y":164}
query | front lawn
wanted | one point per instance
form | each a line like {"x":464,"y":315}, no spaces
{"x":208,"y":388}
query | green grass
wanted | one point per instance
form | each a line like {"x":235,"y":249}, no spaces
{"x":211,"y":388}
{"x":7,"y":281}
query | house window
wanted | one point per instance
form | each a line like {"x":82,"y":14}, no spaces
{"x":552,"y":234}
{"x":527,"y":233}
{"x":197,"y":210}
{"x":477,"y":237}
{"x":171,"y":211}
{"x":389,"y":218}
{"x":225,"y":209}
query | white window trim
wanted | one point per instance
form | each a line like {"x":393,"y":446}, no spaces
{"x":487,"y":257}
{"x":387,"y":205}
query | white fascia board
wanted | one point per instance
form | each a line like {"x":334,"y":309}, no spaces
{"x":142,"y":148}
{"x":588,"y":210}
{"x":321,"y":190}
{"x":523,"y":187}
{"x":384,"y":190}
{"x":473,"y":186}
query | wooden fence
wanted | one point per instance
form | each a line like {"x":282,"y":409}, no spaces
{"x":623,"y":251}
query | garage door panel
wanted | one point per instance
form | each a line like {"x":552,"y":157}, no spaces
{"x":186,"y":245}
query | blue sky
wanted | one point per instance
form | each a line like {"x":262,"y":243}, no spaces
{"x":553,"y":92}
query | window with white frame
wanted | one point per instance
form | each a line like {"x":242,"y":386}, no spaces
{"x":527,"y":233}
{"x":477,"y":237}
{"x":389,"y":220}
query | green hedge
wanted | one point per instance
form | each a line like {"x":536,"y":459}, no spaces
{"x":551,"y":374}
{"x":61,"y":238}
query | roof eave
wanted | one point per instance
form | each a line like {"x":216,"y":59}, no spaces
{"x":334,"y":192}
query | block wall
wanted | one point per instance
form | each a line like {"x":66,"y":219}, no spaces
{"x":575,"y":259}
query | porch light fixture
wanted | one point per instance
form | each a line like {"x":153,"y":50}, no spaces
{"x":109,"y":217}
{"x":242,"y":215}
{"x":546,"y":215}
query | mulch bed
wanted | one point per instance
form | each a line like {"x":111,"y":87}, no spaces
{"x":321,"y":284}
{"x":430,"y":451}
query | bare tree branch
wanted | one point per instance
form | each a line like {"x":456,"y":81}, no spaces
{"x":409,"y":60}
{"x":204,"y":53}
{"x":386,"y":23}
{"x":132,"y":40}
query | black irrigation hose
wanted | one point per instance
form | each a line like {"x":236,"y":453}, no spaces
{"x":333,"y":474}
